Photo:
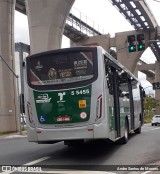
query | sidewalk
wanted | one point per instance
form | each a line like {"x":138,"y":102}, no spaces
{"x":14,"y":135}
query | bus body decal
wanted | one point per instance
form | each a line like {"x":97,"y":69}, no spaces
{"x":63,"y":106}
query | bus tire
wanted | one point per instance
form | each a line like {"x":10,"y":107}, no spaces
{"x":138,"y":130}
{"x":124,"y":139}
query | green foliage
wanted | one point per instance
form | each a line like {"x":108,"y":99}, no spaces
{"x":5,"y":133}
{"x":150,"y":104}
{"x":148,"y":116}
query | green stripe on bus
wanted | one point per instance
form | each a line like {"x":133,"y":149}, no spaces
{"x":126,"y":112}
{"x":63,"y":106}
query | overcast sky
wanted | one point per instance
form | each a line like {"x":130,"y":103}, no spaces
{"x":101,"y":12}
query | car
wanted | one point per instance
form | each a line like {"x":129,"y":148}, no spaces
{"x":155,"y":120}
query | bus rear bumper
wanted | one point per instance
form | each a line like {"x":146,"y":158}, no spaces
{"x":95,"y":131}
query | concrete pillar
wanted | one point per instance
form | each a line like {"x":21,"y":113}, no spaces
{"x":47,"y":20}
{"x":102,"y":40}
{"x":157,"y":79}
{"x":128,"y":59}
{"x":8,"y":114}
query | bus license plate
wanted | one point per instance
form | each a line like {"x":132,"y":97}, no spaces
{"x":63,"y":118}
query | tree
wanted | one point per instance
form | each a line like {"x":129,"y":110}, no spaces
{"x":150,"y":103}
{"x":149,"y":106}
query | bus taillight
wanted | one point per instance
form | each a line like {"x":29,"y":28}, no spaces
{"x":99,"y":107}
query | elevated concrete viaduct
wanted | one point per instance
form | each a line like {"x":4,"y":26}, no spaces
{"x":47,"y":20}
{"x":140,"y":16}
{"x":46,"y":23}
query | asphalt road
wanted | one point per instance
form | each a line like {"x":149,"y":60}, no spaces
{"x":141,"y":149}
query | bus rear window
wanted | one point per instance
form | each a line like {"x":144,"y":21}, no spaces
{"x":61,"y":68}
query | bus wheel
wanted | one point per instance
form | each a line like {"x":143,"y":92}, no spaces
{"x":124,"y":139}
{"x":138,"y":130}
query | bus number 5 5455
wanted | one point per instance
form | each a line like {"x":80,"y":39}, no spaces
{"x":79,"y":92}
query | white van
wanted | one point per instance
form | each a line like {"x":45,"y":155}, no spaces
{"x":156,"y":120}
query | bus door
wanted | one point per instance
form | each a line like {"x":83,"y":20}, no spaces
{"x":142,"y":93}
{"x":112,"y":83}
{"x":136,"y":109}
{"x":132,"y":118}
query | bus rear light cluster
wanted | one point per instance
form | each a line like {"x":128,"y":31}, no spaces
{"x":99,"y":107}
{"x":38,"y":132}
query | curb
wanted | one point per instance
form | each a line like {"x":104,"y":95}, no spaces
{"x":14,"y":135}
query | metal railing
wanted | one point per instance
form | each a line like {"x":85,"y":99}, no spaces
{"x":82,"y":23}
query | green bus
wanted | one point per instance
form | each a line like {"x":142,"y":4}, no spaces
{"x":78,"y":94}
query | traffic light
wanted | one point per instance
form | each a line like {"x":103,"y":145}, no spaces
{"x":131,"y":43}
{"x":140,"y":42}
{"x":156,"y":85}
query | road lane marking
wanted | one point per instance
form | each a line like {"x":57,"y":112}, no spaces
{"x":36,"y":161}
{"x":28,"y":164}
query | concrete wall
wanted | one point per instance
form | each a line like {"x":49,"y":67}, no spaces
{"x":8,"y":114}
{"x":146,"y":67}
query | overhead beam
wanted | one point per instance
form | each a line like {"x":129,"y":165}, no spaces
{"x":20,"y":6}
{"x":137,"y":13}
{"x":74,"y":27}
{"x":146,"y":67}
{"x":146,"y":12}
{"x":140,"y":16}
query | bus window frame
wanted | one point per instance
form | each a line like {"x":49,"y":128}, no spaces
{"x":64,"y":85}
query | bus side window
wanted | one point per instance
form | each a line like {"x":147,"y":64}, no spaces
{"x":108,"y":73}
{"x":123,"y":84}
{"x":135,"y":90}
